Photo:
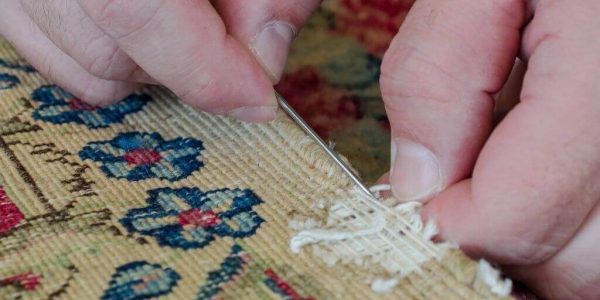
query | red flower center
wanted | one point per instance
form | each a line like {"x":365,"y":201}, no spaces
{"x":198,"y":217}
{"x":76,"y":104}
{"x":142,"y":157}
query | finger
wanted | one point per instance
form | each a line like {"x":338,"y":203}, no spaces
{"x":184,"y":45}
{"x":26,"y":37}
{"x":267,"y":27}
{"x":536,"y":179}
{"x":438,"y":78}
{"x":571,"y":274}
{"x":69,"y":28}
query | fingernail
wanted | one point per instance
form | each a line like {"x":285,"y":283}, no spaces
{"x":271,"y":46}
{"x":415,"y":174}
{"x":254,"y":114}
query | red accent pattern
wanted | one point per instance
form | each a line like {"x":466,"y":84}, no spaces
{"x":285,"y":286}
{"x":142,"y":157}
{"x":76,"y":104}
{"x":198,"y":217}
{"x":10,"y":215}
{"x":27,"y":281}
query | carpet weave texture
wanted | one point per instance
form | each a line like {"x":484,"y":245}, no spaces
{"x":148,"y":198}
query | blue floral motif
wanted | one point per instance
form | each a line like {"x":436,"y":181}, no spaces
{"x":231,"y":267}
{"x":188,"y":218}
{"x":18,"y":65}
{"x":59,"y":107}
{"x":8,"y":81}
{"x":138,"y":156}
{"x":140,"y":280}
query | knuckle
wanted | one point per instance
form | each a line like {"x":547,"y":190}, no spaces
{"x":407,"y":74}
{"x":122,"y":18}
{"x":100,"y":59}
{"x":202,"y":96}
{"x":103,"y":58}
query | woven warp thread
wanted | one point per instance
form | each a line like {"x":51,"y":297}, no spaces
{"x":150,"y":198}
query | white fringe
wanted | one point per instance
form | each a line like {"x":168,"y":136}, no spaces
{"x":319,"y":235}
{"x":492,"y":278}
{"x":364,"y":232}
{"x":383,"y":286}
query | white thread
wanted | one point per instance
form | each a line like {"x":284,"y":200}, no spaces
{"x":492,"y":278}
{"x":319,"y":235}
{"x":381,"y":245}
{"x":398,"y":246}
{"x":382,"y":286}
{"x":303,"y":225}
{"x":430,"y":230}
{"x":378,"y":188}
{"x":368,"y":233}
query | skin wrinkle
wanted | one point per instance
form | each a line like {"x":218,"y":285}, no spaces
{"x":546,"y":278}
{"x":106,"y":19}
{"x":530,"y":43}
{"x":100,"y":65}
{"x":72,"y":42}
{"x":35,"y":12}
{"x":47,"y":64}
{"x":493,"y":86}
{"x":44,"y":16}
{"x":203,"y":71}
{"x":90,"y":50}
{"x":208,"y":105}
{"x":399,"y":64}
{"x":536,"y":252}
{"x":412,"y":52}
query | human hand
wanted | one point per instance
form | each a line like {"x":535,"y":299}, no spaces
{"x":524,"y":194}
{"x":221,"y":59}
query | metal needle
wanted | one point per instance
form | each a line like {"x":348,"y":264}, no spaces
{"x":310,"y":132}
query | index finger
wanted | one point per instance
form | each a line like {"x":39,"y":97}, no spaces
{"x":184,"y":45}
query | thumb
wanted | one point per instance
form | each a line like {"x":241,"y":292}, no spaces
{"x":438,"y":78}
{"x":267,"y":27}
